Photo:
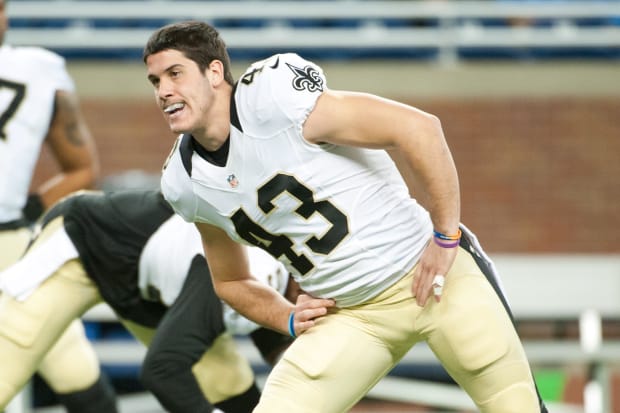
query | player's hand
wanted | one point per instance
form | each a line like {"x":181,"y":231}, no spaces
{"x":435,"y":261}
{"x":307,"y":309}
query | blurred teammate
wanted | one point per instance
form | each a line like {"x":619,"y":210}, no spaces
{"x":280,"y":161}
{"x":38,"y":104}
{"x":129,"y":250}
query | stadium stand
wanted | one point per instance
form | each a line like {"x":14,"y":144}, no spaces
{"x":443,"y":30}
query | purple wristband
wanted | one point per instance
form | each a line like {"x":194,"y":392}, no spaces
{"x":446,"y":244}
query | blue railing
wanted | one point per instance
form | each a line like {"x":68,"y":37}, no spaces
{"x":447,"y":31}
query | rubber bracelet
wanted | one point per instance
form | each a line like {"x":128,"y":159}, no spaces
{"x":446,"y":244}
{"x":291,"y":324}
{"x":445,"y":237}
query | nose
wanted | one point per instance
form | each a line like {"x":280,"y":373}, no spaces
{"x":164,"y":89}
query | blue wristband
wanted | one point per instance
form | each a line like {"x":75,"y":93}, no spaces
{"x":291,"y":324}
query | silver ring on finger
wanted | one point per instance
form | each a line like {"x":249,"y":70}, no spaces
{"x":438,"y":283}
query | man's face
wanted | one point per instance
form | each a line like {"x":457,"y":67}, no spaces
{"x":4,"y":20}
{"x":182,"y":92}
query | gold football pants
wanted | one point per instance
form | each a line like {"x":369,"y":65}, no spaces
{"x":71,"y":364}
{"x":41,"y":333}
{"x":335,"y":363}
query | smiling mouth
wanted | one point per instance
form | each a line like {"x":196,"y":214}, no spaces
{"x":174,"y":108}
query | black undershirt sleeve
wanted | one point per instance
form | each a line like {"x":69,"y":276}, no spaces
{"x":270,"y":344}
{"x":187,"y":330}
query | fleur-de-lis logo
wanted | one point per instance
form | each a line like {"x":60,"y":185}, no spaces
{"x":232,"y":181}
{"x":306,"y":78}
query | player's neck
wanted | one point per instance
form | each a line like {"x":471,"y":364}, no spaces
{"x":216,"y":129}
{"x":210,"y":141}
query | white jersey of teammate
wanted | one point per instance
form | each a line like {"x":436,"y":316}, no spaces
{"x":167,"y":257}
{"x":340,"y":218}
{"x":164,"y":264}
{"x":29,"y":79}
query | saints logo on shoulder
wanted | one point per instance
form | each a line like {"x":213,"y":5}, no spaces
{"x":307,"y":78}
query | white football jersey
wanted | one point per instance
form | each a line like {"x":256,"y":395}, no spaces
{"x":340,"y":218}
{"x":29,"y":79}
{"x":167,"y":257}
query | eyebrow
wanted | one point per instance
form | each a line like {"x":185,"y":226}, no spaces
{"x":152,"y":77}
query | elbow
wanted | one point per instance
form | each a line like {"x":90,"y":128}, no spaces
{"x":153,"y":377}
{"x":218,"y":285}
{"x":423,"y":129}
{"x":158,"y":372}
{"x":430,"y":130}
{"x":83,"y":175}
{"x":90,"y":173}
{"x":223,"y":289}
{"x":87,"y":177}
{"x":432,"y":123}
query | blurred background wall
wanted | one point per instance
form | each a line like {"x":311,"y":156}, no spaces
{"x":537,"y":144}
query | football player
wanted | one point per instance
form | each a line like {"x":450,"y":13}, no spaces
{"x":128,"y":249}
{"x":280,"y":161}
{"x":38,"y":104}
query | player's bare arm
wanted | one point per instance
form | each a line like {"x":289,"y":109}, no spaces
{"x":73,"y":148}
{"x":369,"y":121}
{"x":234,"y":284}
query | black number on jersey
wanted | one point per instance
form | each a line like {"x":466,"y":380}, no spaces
{"x":281,"y":245}
{"x":249,"y":77}
{"x":19,"y":91}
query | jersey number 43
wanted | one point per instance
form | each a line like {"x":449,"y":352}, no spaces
{"x":279,"y":245}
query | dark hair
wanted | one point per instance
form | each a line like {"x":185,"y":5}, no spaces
{"x":198,"y":41}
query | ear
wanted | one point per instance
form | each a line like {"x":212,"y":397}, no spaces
{"x":215,"y":73}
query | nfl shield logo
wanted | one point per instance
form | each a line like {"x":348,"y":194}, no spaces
{"x":232,"y":181}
